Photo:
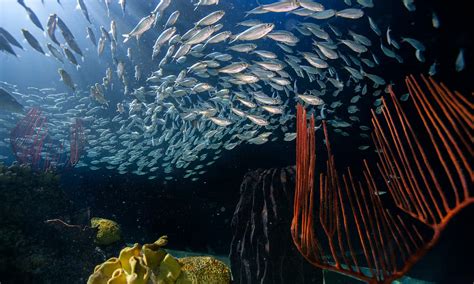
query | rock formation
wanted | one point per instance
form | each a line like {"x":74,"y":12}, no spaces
{"x":262,"y":250}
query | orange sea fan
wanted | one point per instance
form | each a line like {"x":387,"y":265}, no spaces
{"x":427,"y":172}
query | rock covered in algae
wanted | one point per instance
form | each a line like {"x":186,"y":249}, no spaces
{"x":108,"y":231}
{"x":151,"y":264}
{"x":203,"y":269}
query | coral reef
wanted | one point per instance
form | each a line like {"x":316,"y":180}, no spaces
{"x":35,"y":251}
{"x":108,"y":231}
{"x":424,"y":164}
{"x":262,"y":250}
{"x":150,"y":263}
{"x":204,"y":269}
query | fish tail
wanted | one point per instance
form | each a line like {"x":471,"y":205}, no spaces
{"x":126,"y":37}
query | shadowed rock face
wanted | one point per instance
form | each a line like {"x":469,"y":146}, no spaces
{"x":262,"y":250}
{"x":33,"y":250}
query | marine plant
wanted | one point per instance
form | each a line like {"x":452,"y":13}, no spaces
{"x":425,"y":165}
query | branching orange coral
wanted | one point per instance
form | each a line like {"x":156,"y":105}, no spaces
{"x":425,"y":161}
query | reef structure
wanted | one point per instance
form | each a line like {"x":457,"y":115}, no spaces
{"x":425,"y":165}
{"x":37,"y":244}
{"x":151,"y":264}
{"x":262,"y":250}
{"x":108,"y":231}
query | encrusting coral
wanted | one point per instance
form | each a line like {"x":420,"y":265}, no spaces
{"x":151,"y":264}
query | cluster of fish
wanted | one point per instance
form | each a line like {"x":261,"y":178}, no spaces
{"x":216,"y":87}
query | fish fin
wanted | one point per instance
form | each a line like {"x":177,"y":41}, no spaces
{"x":126,"y":37}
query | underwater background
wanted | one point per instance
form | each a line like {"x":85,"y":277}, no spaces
{"x":196,"y":214}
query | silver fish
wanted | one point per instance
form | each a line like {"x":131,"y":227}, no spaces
{"x":258,"y":120}
{"x":312,"y":6}
{"x":123,"y":4}
{"x":9,"y":103}
{"x":220,"y":121}
{"x":66,"y":78}
{"x":350,"y":13}
{"x":254,"y":33}
{"x":311,"y":100}
{"x":234,"y":68}
{"x":211,"y":19}
{"x":173,"y":18}
{"x":55,"y":52}
{"x":283,"y":6}
{"x":460,"y":61}
{"x":410,"y":5}
{"x":91,"y":36}
{"x":5,"y":45}
{"x":51,"y":28}
{"x":32,"y":40}
{"x":113,"y":30}
{"x":10,"y":38}
{"x":81,"y":5}
{"x":144,"y":25}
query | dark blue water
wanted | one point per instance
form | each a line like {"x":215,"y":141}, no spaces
{"x":196,"y":215}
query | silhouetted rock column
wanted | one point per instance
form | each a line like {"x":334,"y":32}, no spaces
{"x":262,"y":250}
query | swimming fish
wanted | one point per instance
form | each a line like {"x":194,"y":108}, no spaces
{"x":9,"y":103}
{"x":51,"y":28}
{"x":123,"y":4}
{"x":55,"y":52}
{"x":10,"y":38}
{"x":81,"y":5}
{"x":5,"y":45}
{"x":91,"y":36}
{"x":254,"y":33}
{"x":144,"y":25}
{"x":410,"y":5}
{"x":32,"y":40}
{"x":460,"y":61}
{"x":66,"y":78}
{"x":31,"y":15}
{"x":435,"y":21}
{"x":350,"y":13}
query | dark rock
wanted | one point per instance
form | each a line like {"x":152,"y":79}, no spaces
{"x":34,"y":248}
{"x":262,"y":249}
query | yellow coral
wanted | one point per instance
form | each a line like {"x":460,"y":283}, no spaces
{"x":126,"y":254}
{"x":169,"y":271}
{"x":118,"y":277}
{"x":150,"y":264}
{"x":104,"y":271}
{"x":140,"y":272}
{"x":153,"y":257}
{"x":108,"y":231}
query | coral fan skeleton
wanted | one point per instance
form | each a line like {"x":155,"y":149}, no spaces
{"x":32,"y":143}
{"x":428,"y":174}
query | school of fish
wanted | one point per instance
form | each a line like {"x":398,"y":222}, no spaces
{"x":215,"y":84}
